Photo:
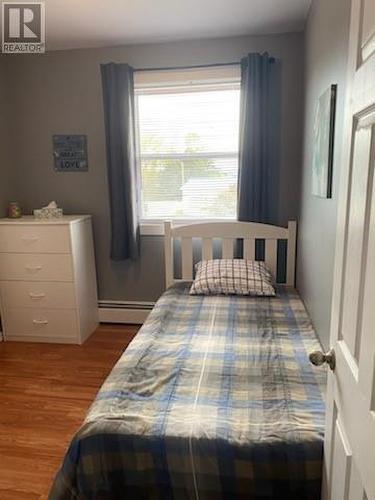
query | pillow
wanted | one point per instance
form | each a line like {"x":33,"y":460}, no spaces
{"x":232,"y":276}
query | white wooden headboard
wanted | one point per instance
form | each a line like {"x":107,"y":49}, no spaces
{"x":228,"y":233}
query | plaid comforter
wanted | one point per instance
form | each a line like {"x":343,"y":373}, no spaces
{"x":214,"y":399}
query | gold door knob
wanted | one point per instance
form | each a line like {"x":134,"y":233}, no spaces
{"x":318,"y":358}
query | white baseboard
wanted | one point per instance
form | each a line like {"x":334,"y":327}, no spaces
{"x":112,"y":311}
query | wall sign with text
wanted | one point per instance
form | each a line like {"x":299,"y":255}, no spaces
{"x":70,"y":153}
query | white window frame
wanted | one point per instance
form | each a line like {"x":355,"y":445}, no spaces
{"x":148,"y":82}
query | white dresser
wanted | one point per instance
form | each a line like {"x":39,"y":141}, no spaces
{"x":48,"y":287}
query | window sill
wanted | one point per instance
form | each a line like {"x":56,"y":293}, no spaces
{"x":151,"y":229}
{"x":156,"y":228}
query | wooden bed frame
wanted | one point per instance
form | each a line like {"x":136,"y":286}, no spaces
{"x":228,"y":233}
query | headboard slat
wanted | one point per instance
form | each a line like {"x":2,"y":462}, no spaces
{"x":207,"y":251}
{"x":249,"y":248}
{"x":168,"y":254}
{"x":270,"y":256}
{"x":187,"y":258}
{"x":227,"y":248}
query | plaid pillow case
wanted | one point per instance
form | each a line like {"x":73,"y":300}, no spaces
{"x":232,"y":277}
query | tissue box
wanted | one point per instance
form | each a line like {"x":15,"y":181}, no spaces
{"x":48,"y":213}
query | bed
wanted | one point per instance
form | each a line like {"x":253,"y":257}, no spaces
{"x":214,"y":398}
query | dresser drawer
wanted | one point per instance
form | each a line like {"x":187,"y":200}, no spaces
{"x":36,"y":267}
{"x":37,"y":294}
{"x":34,"y":238}
{"x":41,"y":322}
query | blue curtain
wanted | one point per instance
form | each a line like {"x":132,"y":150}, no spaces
{"x":258,"y":179}
{"x":118,"y":100}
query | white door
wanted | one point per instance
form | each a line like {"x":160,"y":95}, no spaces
{"x":349,"y":464}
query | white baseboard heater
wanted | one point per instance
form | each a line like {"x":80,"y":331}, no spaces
{"x":116,"y":311}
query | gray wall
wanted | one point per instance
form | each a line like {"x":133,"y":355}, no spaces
{"x":60,"y":92}
{"x":6,"y":171}
{"x":326,"y":55}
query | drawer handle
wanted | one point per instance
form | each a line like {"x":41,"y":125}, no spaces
{"x":36,"y":296}
{"x":33,"y":269}
{"x":29,"y":239}
{"x":40,"y":322}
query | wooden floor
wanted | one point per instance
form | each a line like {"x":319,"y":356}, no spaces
{"x":45,"y":391}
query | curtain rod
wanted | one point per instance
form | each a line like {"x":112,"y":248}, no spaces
{"x":170,"y":68}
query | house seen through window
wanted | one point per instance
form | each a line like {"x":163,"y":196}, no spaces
{"x":188,"y":151}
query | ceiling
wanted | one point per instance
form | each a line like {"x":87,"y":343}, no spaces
{"x":100,"y":23}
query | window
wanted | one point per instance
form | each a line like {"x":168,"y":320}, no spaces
{"x":188,"y":150}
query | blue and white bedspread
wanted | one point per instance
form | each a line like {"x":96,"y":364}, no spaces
{"x":213,"y":399}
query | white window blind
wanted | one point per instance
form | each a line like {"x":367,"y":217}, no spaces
{"x":188,"y":145}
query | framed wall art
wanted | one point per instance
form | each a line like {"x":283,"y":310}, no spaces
{"x":324,"y":132}
{"x":70,"y":153}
